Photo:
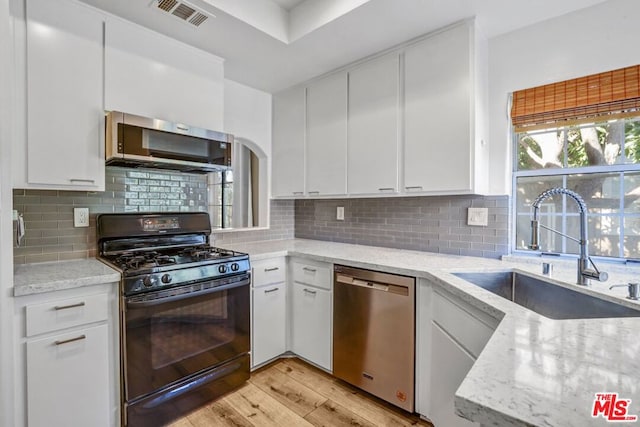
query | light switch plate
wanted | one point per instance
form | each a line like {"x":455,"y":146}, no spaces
{"x":80,"y":217}
{"x":478,"y":216}
{"x":340,"y":213}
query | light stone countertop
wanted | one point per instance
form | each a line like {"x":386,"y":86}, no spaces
{"x":54,"y":276}
{"x":534,"y":371}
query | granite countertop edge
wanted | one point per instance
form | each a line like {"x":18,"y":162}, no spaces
{"x":30,"y":279}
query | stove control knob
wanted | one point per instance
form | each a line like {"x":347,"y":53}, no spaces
{"x":222,"y":268}
{"x":149,"y":281}
{"x":166,"y":278}
{"x":235,"y":266}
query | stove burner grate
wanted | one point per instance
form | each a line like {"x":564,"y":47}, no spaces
{"x":144,"y":260}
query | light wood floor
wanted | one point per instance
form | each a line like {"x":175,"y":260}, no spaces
{"x":290,"y":392}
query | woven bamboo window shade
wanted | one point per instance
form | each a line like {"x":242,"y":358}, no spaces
{"x":608,"y":95}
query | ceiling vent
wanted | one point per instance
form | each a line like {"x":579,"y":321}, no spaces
{"x":182,"y":10}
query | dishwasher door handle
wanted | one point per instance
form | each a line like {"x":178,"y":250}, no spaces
{"x":368,"y":284}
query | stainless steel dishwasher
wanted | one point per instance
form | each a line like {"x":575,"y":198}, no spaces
{"x":374,"y":333}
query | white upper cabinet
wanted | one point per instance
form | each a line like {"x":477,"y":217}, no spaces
{"x":372,"y":156}
{"x":409,"y":122}
{"x":440,"y":76}
{"x":65,"y":110}
{"x":287,"y":148}
{"x":155,"y":76}
{"x":326,"y":153}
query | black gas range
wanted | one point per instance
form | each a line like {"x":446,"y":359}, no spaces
{"x":185,"y":313}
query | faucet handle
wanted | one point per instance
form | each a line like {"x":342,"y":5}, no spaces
{"x":600,"y":276}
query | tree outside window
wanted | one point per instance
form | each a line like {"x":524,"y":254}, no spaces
{"x":601,"y":162}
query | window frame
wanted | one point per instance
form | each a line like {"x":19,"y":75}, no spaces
{"x":565,"y":172}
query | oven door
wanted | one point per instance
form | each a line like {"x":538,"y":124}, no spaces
{"x":173,"y":334}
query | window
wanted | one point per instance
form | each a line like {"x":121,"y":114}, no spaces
{"x":591,"y":147}
{"x":221,"y":198}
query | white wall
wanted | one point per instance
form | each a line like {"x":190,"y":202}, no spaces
{"x":574,"y":45}
{"x":6,"y":251}
{"x":247,"y":115}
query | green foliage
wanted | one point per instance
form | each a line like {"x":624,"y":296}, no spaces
{"x":576,"y":152}
{"x":632,"y":141}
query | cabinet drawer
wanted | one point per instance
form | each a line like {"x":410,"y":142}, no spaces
{"x":467,"y":329}
{"x":268,"y":271}
{"x":312,"y":274}
{"x":61,"y":314}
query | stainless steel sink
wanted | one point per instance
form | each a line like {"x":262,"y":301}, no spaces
{"x":546,"y":298}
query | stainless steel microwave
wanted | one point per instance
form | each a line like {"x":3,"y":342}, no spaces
{"x":137,"y":141}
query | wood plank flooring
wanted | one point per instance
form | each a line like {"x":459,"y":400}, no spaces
{"x":290,"y":392}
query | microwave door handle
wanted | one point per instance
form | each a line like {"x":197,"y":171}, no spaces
{"x":171,"y":298}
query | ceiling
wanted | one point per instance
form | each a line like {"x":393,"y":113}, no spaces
{"x":287,"y":4}
{"x":274,"y":44}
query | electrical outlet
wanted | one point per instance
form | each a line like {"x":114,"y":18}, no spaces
{"x":80,"y":217}
{"x":340,"y":213}
{"x":478,"y":216}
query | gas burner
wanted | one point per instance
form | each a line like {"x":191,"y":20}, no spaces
{"x":140,"y":260}
{"x":205,"y":252}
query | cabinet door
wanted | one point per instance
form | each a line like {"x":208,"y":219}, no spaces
{"x":68,"y":379}
{"x":152,"y":75}
{"x":311,"y":324}
{"x":438,"y":125}
{"x":65,"y":108}
{"x":373,"y":127}
{"x":268,"y":325}
{"x":449,"y":365}
{"x":327,"y":136}
{"x":287,"y":152}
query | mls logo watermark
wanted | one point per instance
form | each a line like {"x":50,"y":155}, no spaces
{"x":612,"y":409}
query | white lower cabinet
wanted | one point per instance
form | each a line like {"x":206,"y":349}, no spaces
{"x":291,"y":310}
{"x":449,"y":365}
{"x":269,"y":326}
{"x":311,"y":324}
{"x":450,"y":335}
{"x":68,"y":359}
{"x":268,"y":309}
{"x":312,"y":311}
{"x":68,"y":379}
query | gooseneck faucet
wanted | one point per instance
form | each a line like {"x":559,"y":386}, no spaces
{"x":584,"y":272}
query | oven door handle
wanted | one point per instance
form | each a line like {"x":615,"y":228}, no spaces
{"x":171,"y":298}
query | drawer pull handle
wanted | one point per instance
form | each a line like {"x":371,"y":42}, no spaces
{"x":309,"y":269}
{"x":414,"y":187}
{"x":90,"y":181}
{"x":271,"y":269}
{"x":296,"y":193}
{"x":309,"y":291}
{"x":313,"y":192}
{"x":65,"y":307}
{"x":386,"y":189}
{"x":70,"y":340}
{"x":268,"y":291}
